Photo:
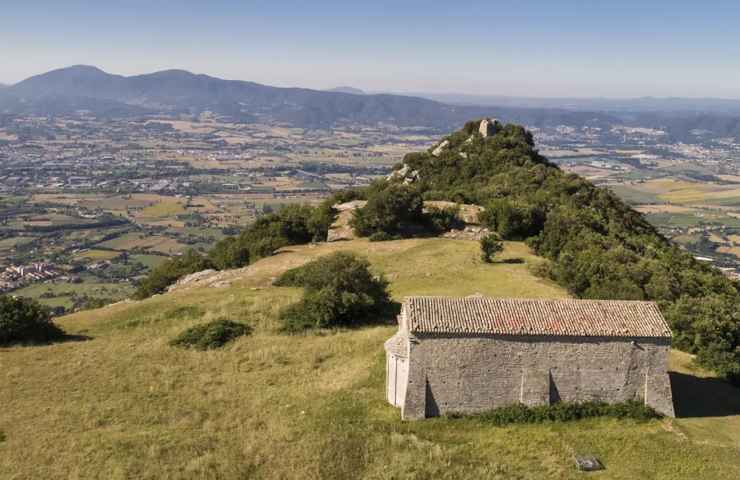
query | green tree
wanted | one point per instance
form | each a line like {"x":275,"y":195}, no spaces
{"x":25,"y":320}
{"x":490,"y":245}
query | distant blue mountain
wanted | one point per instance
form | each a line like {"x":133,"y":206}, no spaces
{"x":81,"y":87}
{"x":352,"y":90}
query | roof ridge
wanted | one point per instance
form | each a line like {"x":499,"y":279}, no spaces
{"x":535,"y":316}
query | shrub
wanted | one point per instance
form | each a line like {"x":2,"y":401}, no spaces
{"x":25,"y":320}
{"x":566,"y":411}
{"x":340,"y":290}
{"x":211,"y":335}
{"x":490,"y":245}
{"x":392,"y":210}
{"x":170,"y":272}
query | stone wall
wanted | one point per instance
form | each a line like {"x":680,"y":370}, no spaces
{"x":448,"y":374}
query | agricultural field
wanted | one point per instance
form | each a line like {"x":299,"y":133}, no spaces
{"x":62,"y":294}
{"x":96,"y":255}
{"x":700,"y":215}
{"x":272,"y":405}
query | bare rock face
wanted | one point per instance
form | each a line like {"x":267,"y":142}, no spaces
{"x":440,"y":148}
{"x":489,"y":127}
{"x":470,"y":232}
{"x":192,"y":279}
{"x":405,"y":174}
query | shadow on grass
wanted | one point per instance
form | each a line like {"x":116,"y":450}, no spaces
{"x":40,"y":343}
{"x":703,"y":397}
{"x":511,"y":260}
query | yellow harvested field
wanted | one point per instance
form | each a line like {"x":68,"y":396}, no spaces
{"x":155,"y":243}
{"x":97,"y":255}
{"x":731,"y":250}
{"x":165,"y":207}
{"x":664,"y":208}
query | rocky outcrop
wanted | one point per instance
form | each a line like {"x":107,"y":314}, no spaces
{"x":404,"y":174}
{"x":470,"y":232}
{"x":193,"y":278}
{"x":440,"y":148}
{"x":489,"y":127}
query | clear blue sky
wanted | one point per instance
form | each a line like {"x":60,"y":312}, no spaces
{"x":514,"y":47}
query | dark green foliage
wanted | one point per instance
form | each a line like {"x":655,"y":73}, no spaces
{"x":211,"y":335}
{"x":564,"y":411}
{"x":2,"y":437}
{"x":25,"y":320}
{"x":443,"y":219}
{"x":339,"y":291}
{"x":710,"y":327}
{"x":229,"y":253}
{"x":490,"y":245}
{"x":292,"y":225}
{"x":513,"y":220}
{"x":394,"y":210}
{"x":170,"y":271}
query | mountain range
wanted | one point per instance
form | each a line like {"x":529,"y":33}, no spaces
{"x":86,"y":88}
{"x":177,"y":91}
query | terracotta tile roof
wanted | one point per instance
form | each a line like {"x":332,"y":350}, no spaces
{"x":513,"y":316}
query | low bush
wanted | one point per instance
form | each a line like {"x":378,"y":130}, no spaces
{"x":566,"y":411}
{"x":25,"y":320}
{"x":211,"y":335}
{"x":340,"y":290}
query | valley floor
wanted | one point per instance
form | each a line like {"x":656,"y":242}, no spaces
{"x":117,"y":402}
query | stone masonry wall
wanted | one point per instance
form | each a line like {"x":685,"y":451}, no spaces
{"x":448,"y":374}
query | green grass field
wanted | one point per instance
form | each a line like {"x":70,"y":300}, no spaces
{"x":150,"y":261}
{"x":58,"y":294}
{"x":124,"y":404}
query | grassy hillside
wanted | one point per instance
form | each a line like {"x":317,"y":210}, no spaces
{"x":124,"y":404}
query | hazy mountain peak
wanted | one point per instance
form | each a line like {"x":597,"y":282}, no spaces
{"x":352,"y":90}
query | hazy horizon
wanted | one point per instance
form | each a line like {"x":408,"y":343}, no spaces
{"x":532,"y":49}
